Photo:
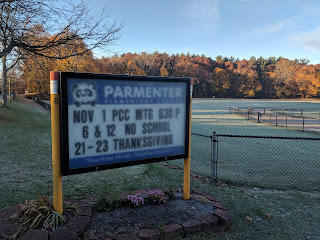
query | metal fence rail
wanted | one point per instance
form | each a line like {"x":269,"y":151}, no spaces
{"x":269,"y":162}
{"x":280,"y":117}
{"x":43,"y":104}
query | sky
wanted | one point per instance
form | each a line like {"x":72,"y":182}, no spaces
{"x":238,"y":28}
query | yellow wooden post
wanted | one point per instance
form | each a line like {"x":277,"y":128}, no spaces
{"x":186,"y":169}
{"x":55,"y":133}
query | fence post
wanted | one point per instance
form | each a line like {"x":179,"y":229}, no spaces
{"x":258,"y":117}
{"x":286,"y":121}
{"x":276,"y":119}
{"x":214,"y":156}
{"x":303,"y":124}
{"x":270,"y":118}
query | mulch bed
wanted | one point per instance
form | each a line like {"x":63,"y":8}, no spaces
{"x":203,"y":212}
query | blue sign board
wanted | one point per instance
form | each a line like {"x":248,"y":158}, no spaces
{"x":118,"y":120}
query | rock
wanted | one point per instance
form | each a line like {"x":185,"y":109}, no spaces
{"x":199,"y":192}
{"x":10,"y":211}
{"x":211,"y":198}
{"x":87,"y":201}
{"x":208,"y":196}
{"x":63,"y":234}
{"x":149,"y":234}
{"x":123,"y":195}
{"x":173,"y":230}
{"x":71,"y":200}
{"x":126,"y":237}
{"x":139,"y":192}
{"x":84,"y":210}
{"x":9,"y":230}
{"x":35,"y":235}
{"x":79,"y":224}
{"x":192,"y":225}
{"x":209,"y":221}
{"x":218,"y":204}
{"x":223,"y":215}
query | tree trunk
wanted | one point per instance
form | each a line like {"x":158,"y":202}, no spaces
{"x":9,"y":91}
{"x":4,"y":80}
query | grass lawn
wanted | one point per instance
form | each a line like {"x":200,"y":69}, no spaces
{"x":25,"y":171}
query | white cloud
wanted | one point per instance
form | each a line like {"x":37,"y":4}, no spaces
{"x":309,"y":40}
{"x":272,"y":28}
{"x":205,"y":14}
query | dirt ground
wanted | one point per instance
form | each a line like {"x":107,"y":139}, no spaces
{"x":130,"y":220}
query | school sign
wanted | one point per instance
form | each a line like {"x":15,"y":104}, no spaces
{"x":110,"y":121}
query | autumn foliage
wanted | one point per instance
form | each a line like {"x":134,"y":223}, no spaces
{"x":221,"y":77}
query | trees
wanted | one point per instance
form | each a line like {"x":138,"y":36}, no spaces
{"x":44,"y":27}
{"x":254,"y":78}
{"x":248,"y":82}
{"x":307,"y":82}
{"x":36,"y":68}
{"x":146,"y":63}
{"x":220,"y":82}
{"x":284,"y":70}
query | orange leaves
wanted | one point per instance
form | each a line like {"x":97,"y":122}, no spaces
{"x":164,"y":72}
{"x":220,"y":81}
{"x":36,"y":68}
{"x":307,"y":82}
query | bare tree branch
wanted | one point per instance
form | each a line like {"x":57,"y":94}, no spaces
{"x":41,"y":27}
{"x":6,"y":1}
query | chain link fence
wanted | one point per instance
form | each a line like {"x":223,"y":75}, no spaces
{"x":255,"y":161}
{"x":201,"y":157}
{"x":269,"y":162}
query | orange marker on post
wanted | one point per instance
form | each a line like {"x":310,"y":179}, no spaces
{"x":55,"y":133}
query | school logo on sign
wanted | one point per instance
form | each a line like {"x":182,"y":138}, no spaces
{"x":84,"y":94}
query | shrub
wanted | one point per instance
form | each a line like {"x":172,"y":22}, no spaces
{"x":157,"y":196}
{"x":40,"y":213}
{"x":170,"y":193}
{"x":109,"y":203}
{"x":136,"y":200}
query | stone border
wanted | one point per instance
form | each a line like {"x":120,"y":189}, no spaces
{"x":76,"y":226}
